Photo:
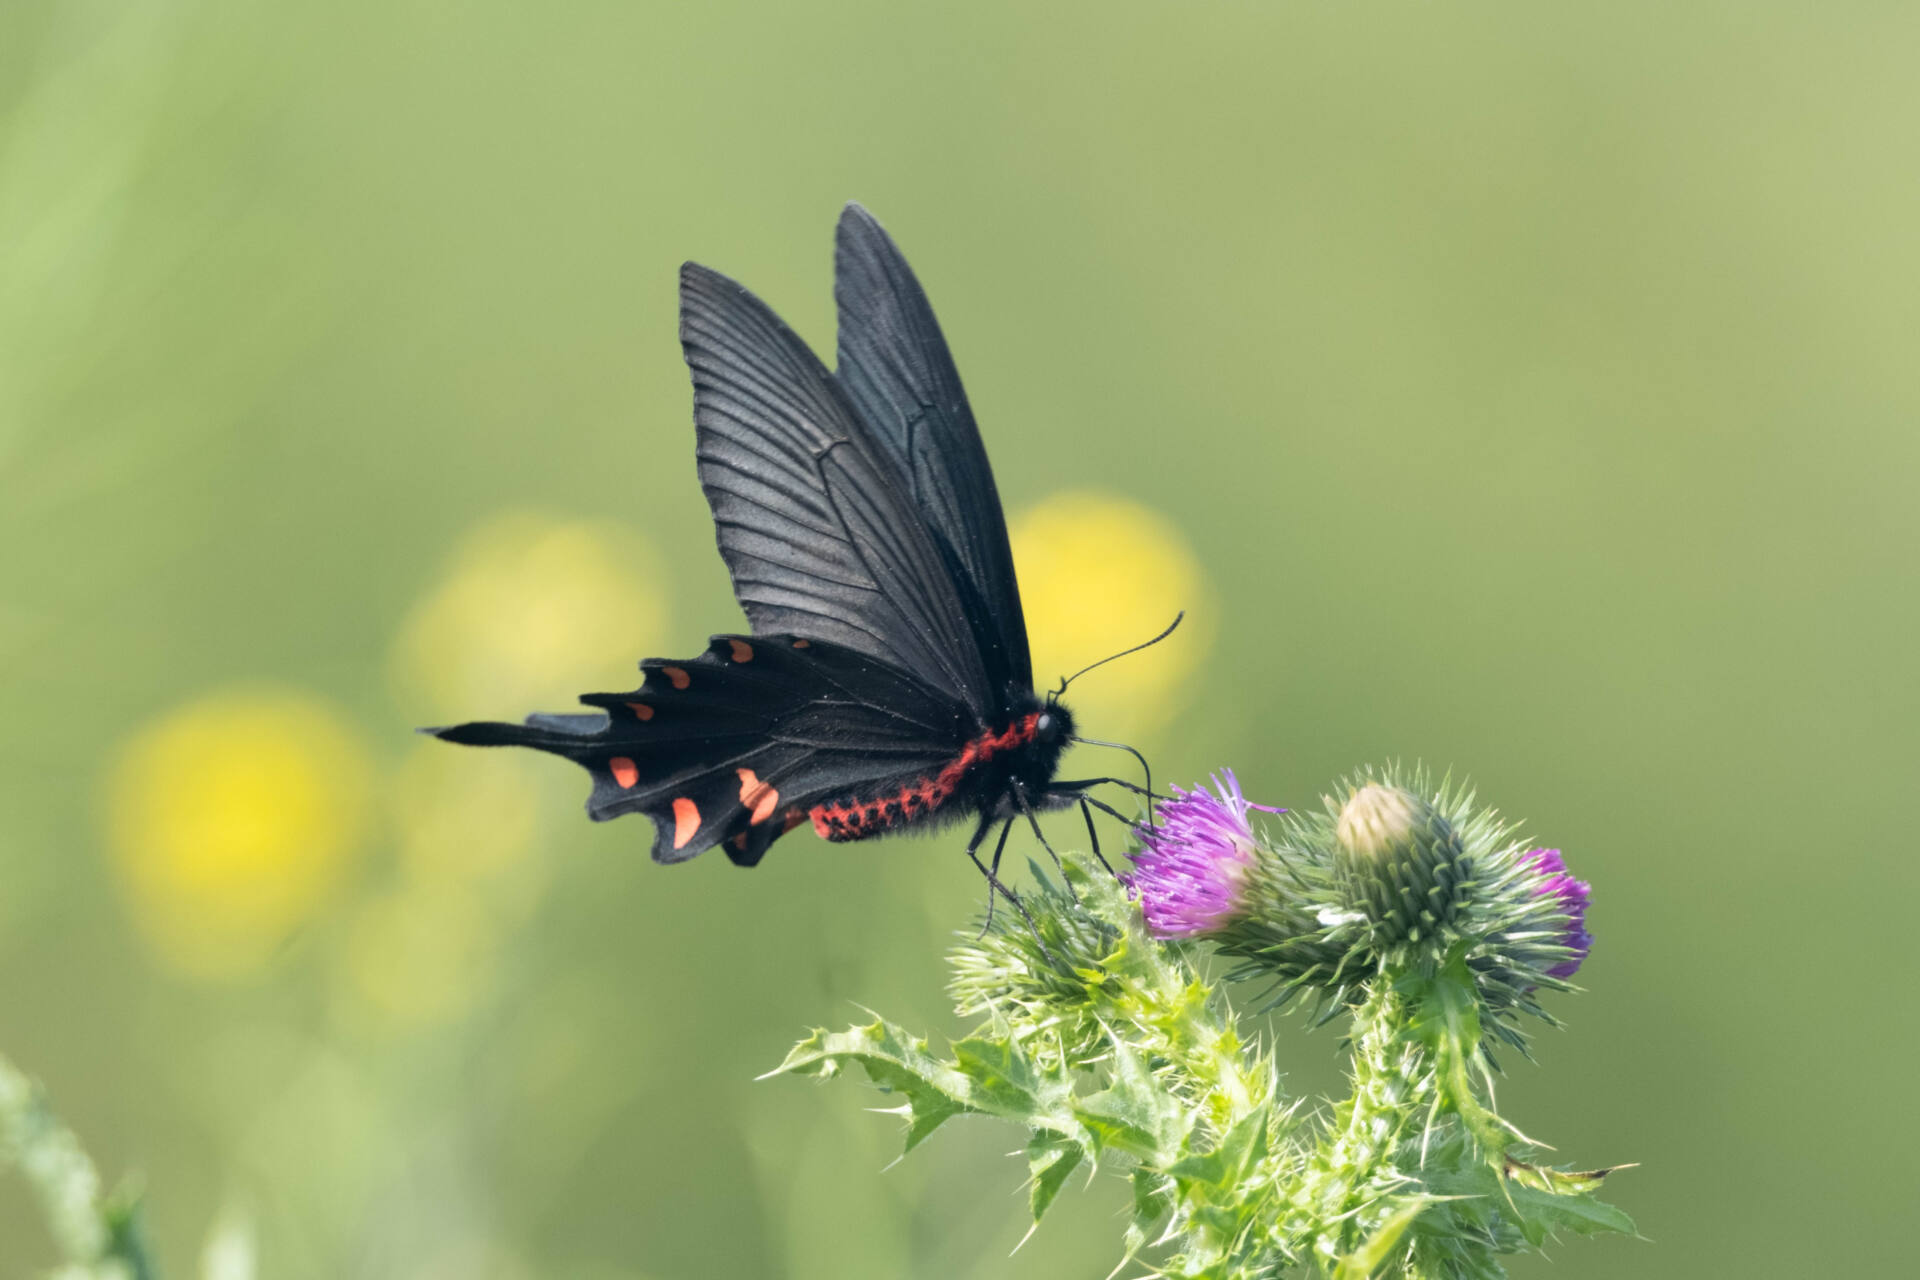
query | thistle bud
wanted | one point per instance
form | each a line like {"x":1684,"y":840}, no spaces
{"x":1401,"y":862}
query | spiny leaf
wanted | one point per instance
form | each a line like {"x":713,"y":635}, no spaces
{"x":1540,"y":1212}
{"x":1005,"y":1082}
{"x":1536,"y":1211}
{"x":894,"y":1061}
{"x":1152,"y":1202}
{"x":1559,"y":1182}
{"x":1218,"y":1173}
{"x":1050,"y":1159}
{"x":1363,"y":1262}
{"x":1134,"y":1113}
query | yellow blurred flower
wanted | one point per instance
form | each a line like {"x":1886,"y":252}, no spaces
{"x":232,"y":819}
{"x":532,"y":612}
{"x":1099,"y":573}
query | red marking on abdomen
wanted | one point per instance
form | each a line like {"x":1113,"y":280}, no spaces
{"x":858,"y":819}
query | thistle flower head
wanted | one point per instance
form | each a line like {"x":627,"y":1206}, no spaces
{"x":1556,"y":886}
{"x":1192,"y":871}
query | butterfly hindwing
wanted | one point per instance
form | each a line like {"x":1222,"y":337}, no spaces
{"x":897,"y":371}
{"x":814,"y":520}
{"x":733,"y":748}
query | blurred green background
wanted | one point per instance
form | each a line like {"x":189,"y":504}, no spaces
{"x":1522,"y":389}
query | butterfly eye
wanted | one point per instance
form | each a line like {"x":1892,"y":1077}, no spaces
{"x":1044,"y":723}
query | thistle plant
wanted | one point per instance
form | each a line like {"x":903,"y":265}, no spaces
{"x":96,"y":1232}
{"x":1104,"y":1030}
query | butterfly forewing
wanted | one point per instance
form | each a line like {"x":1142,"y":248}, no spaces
{"x":814,"y":521}
{"x":897,"y":371}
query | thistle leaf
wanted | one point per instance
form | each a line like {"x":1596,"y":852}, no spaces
{"x":1004,"y":1081}
{"x":1051,"y":1158}
{"x":1135,"y":1113}
{"x":1365,"y":1261}
{"x":1541,"y":1212}
{"x":1152,"y":1203}
{"x":897,"y":1063}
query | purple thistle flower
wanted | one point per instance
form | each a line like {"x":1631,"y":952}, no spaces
{"x":1193,"y":866}
{"x":1568,"y":896}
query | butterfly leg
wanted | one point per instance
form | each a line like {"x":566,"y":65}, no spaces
{"x":1135,"y":753}
{"x":998,"y":886}
{"x":1108,"y":809}
{"x":1096,"y":803}
{"x":1080,"y":787}
{"x":1081,"y":784}
{"x":1020,"y":796}
{"x":1006,"y":829}
{"x":1093,"y":837}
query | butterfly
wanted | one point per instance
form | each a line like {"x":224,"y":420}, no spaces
{"x":886,"y":684}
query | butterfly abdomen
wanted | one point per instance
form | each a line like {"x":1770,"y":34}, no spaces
{"x":854,"y":818}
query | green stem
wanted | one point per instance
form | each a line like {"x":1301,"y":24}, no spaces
{"x":1446,"y":1016}
{"x":1355,"y":1192}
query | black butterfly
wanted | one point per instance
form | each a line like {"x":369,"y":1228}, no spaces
{"x":887,"y":682}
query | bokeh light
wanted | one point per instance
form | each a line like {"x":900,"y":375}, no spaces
{"x":233,"y":819}
{"x":420,"y":954}
{"x":532,"y":612}
{"x":1100,"y":573}
{"x":470,"y":818}
{"x":424,"y":949}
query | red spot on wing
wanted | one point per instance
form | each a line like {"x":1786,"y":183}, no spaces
{"x":740,"y":842}
{"x":742,"y":651}
{"x":757,"y":796}
{"x":686,"y":821}
{"x":641,"y":709}
{"x":625,"y":772}
{"x":677,"y":676}
{"x":803,"y":644}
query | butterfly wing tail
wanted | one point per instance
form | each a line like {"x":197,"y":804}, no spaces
{"x":617,"y":760}
{"x":733,"y":747}
{"x":561,"y":734}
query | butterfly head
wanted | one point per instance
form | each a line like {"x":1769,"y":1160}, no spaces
{"x":1053,"y":723}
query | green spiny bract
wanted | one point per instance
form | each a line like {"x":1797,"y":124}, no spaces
{"x":1401,"y":863}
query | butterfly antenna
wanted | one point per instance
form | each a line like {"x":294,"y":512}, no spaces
{"x":1171,"y":626}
